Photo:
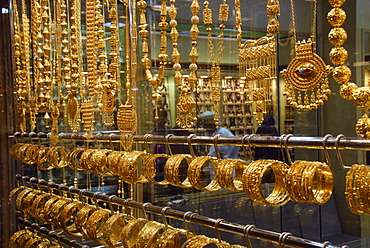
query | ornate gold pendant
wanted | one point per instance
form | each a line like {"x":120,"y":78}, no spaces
{"x":306,"y":78}
{"x":127,"y":119}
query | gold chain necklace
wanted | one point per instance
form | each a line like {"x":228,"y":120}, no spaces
{"x":257,"y":60}
{"x":215,"y":64}
{"x":306,"y":79}
{"x":186,"y":115}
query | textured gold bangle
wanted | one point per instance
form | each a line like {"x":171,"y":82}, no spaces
{"x":199,"y":241}
{"x":150,"y":168}
{"x":195,"y":171}
{"x":32,"y":242}
{"x":15,"y":237}
{"x":85,"y":159}
{"x":57,"y":157}
{"x":130,"y":233}
{"x":95,"y":225}
{"x":38,"y":206}
{"x":13,"y":152}
{"x":11,"y":194}
{"x":67,"y":218}
{"x":172,"y":170}
{"x":129,"y":167}
{"x":73,"y":158}
{"x":113,"y":230}
{"x":169,"y":238}
{"x":82,"y":217}
{"x":56,"y":210}
{"x":20,"y":197}
{"x":113,"y":160}
{"x":230,"y":172}
{"x":353,"y":186}
{"x":149,"y":234}
{"x":252,"y":181}
{"x":28,"y":200}
{"x":41,"y":158}
{"x":48,"y":206}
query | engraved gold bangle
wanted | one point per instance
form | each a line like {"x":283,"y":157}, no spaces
{"x":57,"y":157}
{"x":11,"y":194}
{"x":199,"y":241}
{"x":85,"y":159}
{"x":150,"y":168}
{"x":230,"y":172}
{"x":16,"y":236}
{"x":82,"y":217}
{"x":95,"y":225}
{"x":38,"y":206}
{"x":149,"y":234}
{"x":354,"y":183}
{"x":32,"y":242}
{"x":73,"y":158}
{"x":99,"y":162}
{"x":113,"y":229}
{"x":129,"y":167}
{"x":68,"y":218}
{"x":195,"y":173}
{"x":56,"y":210}
{"x":48,"y":206}
{"x":13,"y":152}
{"x":41,"y":158}
{"x":130,"y":233}
{"x":28,"y":200}
{"x":252,"y":182}
{"x":169,"y":238}
{"x":172,"y":170}
{"x":113,"y":161}
{"x":20,"y":197}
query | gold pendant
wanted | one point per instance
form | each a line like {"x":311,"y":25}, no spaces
{"x":363,"y":127}
{"x":306,"y":79}
{"x":126,"y":119}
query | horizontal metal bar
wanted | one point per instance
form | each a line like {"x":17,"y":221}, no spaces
{"x":175,"y":214}
{"x":253,"y":140}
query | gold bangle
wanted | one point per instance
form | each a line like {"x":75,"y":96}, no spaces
{"x":113,"y":160}
{"x":130,"y":233}
{"x":169,"y":238}
{"x":99,"y":159}
{"x":252,"y":181}
{"x":20,"y":197}
{"x":33,"y":241}
{"x":230,"y":172}
{"x":353,"y":185}
{"x":113,"y":229}
{"x":10,"y":197}
{"x":150,"y":168}
{"x":37,"y":207}
{"x":16,"y":236}
{"x":149,"y":234}
{"x":73,"y":158}
{"x":172,"y":170}
{"x":28,"y":200}
{"x":199,"y":241}
{"x":81,"y":218}
{"x":47,"y":207}
{"x":195,"y":171}
{"x":85,"y":159}
{"x":41,"y":158}
{"x":68,"y":218}
{"x":13,"y":152}
{"x":129,"y":167}
{"x":56,"y":210}
{"x":57,"y":157}
{"x":95,"y":225}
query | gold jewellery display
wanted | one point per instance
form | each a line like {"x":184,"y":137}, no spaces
{"x":257,"y":60}
{"x":306,"y":82}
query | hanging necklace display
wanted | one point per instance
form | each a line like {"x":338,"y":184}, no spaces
{"x":257,"y":60}
{"x":77,"y":78}
{"x":186,"y":114}
{"x":155,"y":81}
{"x":126,"y":116}
{"x":215,"y":64}
{"x":307,"y":85}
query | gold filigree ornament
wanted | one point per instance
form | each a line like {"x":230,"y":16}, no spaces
{"x":363,"y":127}
{"x":306,"y":77}
{"x":257,"y":60}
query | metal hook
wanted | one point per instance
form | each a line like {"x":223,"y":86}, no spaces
{"x":184,"y":218}
{"x":69,"y":191}
{"x":282,"y":137}
{"x":217,"y":223}
{"x":146,"y":137}
{"x":247,"y":232}
{"x":32,"y":179}
{"x":326,"y":153}
{"x":81,"y":196}
{"x":125,"y":204}
{"x":145,"y":205}
{"x":250,"y":146}
{"x":15,"y":135}
{"x":61,"y":140}
{"x":24,"y":181}
{"x":110,"y":203}
{"x":49,"y":188}
{"x":287,"y":137}
{"x":191,"y":149}
{"x":39,"y":137}
{"x":95,"y":197}
{"x":96,"y":140}
{"x":215,"y":141}
{"x":244,"y":148}
{"x":191,"y":215}
{"x":326,"y":244}
{"x":339,"y":156}
{"x":168,"y":136}
{"x":163,"y":214}
{"x":282,"y":239}
{"x":73,"y":139}
{"x":60,"y":190}
{"x":110,"y":141}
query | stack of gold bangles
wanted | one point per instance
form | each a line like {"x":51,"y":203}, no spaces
{"x":357,"y":189}
{"x":26,"y":239}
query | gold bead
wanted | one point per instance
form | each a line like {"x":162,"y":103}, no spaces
{"x":337,"y":36}
{"x":338,"y":55}
{"x":336,"y":3}
{"x":346,"y":90}
{"x":342,"y":74}
{"x":336,"y":17}
{"x":361,"y":97}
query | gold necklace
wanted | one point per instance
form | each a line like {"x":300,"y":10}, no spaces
{"x":126,"y":116}
{"x":215,"y":64}
{"x":306,"y":79}
{"x":163,"y":57}
{"x":186,"y":115}
{"x":257,"y":60}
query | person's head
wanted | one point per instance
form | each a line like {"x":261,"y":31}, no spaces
{"x":269,"y":120}
{"x":207,"y":119}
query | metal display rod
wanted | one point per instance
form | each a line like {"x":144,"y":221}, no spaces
{"x":52,"y":234}
{"x":247,"y":140}
{"x":254,"y":232}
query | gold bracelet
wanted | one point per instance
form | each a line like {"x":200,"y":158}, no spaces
{"x":32,"y":242}
{"x":68,"y":218}
{"x":56,"y":210}
{"x":85,"y":159}
{"x":199,"y":241}
{"x":99,"y":159}
{"x":41,"y":158}
{"x":95,"y":225}
{"x":150,"y":168}
{"x":353,"y":186}
{"x":252,"y":181}
{"x":149,"y":234}
{"x":113,"y":160}
{"x":16,"y":236}
{"x":169,"y":238}
{"x":81,"y":218}
{"x":130,"y":233}
{"x":20,"y":197}
{"x":128,"y":167}
{"x":11,"y":194}
{"x":57,"y":157}
{"x":195,"y":171}
{"x":47,"y":207}
{"x":113,"y":230}
{"x":37,"y":207}
{"x":172,"y":170}
{"x":73,"y":158}
{"x":230,"y":172}
{"x":28,"y":200}
{"x":13,"y":152}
